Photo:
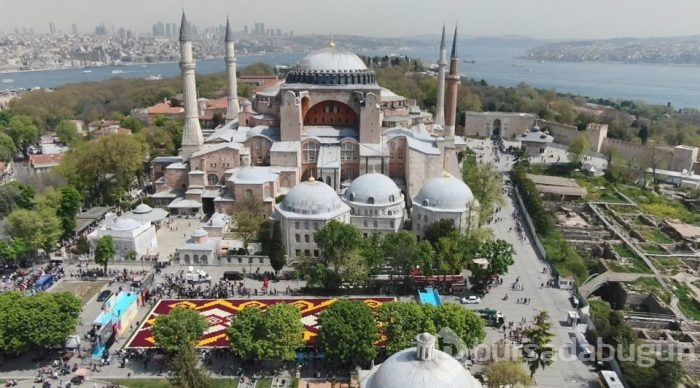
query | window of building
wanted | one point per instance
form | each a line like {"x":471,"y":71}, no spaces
{"x":349,"y":151}
{"x":262,"y":260}
{"x":240,"y":260}
{"x":364,"y":223}
{"x":306,"y":225}
{"x":213,"y":179}
{"x":297,"y":237}
{"x":392,"y":198}
{"x":297,"y":252}
{"x":392,"y":223}
{"x":376,"y":224}
{"x":306,"y":238}
{"x":315,"y":252}
{"x":296,"y":225}
{"x":310,"y":151}
{"x":370,"y":200}
{"x":307,"y":252}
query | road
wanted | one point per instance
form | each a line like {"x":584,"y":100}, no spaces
{"x":528,"y":269}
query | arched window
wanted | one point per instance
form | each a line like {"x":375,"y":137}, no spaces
{"x":370,"y":200}
{"x":425,"y":202}
{"x":348,"y":151}
{"x":328,"y":180}
{"x":204,"y":259}
{"x":213,"y":179}
{"x":297,"y":237}
{"x":425,"y":218}
{"x":195,"y":259}
{"x":310,"y":151}
{"x":392,"y":198}
{"x":306,"y":238}
{"x":187,"y":259}
{"x":351,"y":196}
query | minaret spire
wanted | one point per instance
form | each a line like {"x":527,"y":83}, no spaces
{"x":192,"y":138}
{"x":440,"y":111}
{"x":232,"y":108}
{"x":454,"y":45}
{"x":452,"y":80}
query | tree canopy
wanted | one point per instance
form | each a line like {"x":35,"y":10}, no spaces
{"x":181,"y":327}
{"x":67,"y":132}
{"x":486,"y":184}
{"x":41,"y":320}
{"x":274,"y":334}
{"x":23,"y":132}
{"x":277,"y":250}
{"x":104,"y":251}
{"x":36,"y":229}
{"x":348,"y":333}
{"x":104,"y":168}
{"x":402,"y":322}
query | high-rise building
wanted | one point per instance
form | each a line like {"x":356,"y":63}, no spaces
{"x":279,"y":32}
{"x":74,"y":29}
{"x":245,"y":29}
{"x":262,"y":28}
{"x":52,"y":28}
{"x":168,"y":32}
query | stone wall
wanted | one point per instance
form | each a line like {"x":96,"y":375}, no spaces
{"x":635,"y":152}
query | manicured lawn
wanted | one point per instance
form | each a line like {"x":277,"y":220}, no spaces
{"x":84,"y":290}
{"x":163,"y":383}
{"x":686,"y":302}
{"x":650,"y":286}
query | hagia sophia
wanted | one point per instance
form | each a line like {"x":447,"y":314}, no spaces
{"x":333,"y":142}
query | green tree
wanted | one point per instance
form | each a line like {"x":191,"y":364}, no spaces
{"x":82,"y":246}
{"x":578,"y":148}
{"x":400,"y":250}
{"x":186,"y":373}
{"x":247,"y":226}
{"x":274,"y":334}
{"x":487,"y":186}
{"x":132,"y":123}
{"x":277,"y":250}
{"x":348,"y":333}
{"x":372,"y":252}
{"x":438,"y":230}
{"x":13,"y":250}
{"x":336,"y":239}
{"x":402,"y":322}
{"x":23,"y":132}
{"x":35,"y":229}
{"x":70,"y":203}
{"x":507,"y":374}
{"x":7,"y":147}
{"x":104,"y":168}
{"x":160,"y":141}
{"x":257,"y":68}
{"x":466,"y":324}
{"x":537,"y":350}
{"x":67,"y":132}
{"x":9,"y":198}
{"x":181,"y":327}
{"x":104,"y":251}
{"x":499,"y":254}
{"x":26,"y":195}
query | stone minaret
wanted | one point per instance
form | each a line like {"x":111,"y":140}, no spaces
{"x":452,"y":89}
{"x":442,"y":63}
{"x":192,"y":138}
{"x":233,"y":108}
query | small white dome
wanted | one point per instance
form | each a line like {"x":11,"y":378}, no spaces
{"x":312,"y":197}
{"x":142,"y":209}
{"x":332,"y":59}
{"x":124,"y":224}
{"x":377,"y":187}
{"x":406,"y":369}
{"x":200,"y":233}
{"x":445,"y":192}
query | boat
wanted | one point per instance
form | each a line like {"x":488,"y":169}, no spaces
{"x":87,"y":71}
{"x":469,"y":61}
{"x":7,"y":80}
{"x":153,"y":77}
{"x":117,"y":71}
{"x":518,"y":65}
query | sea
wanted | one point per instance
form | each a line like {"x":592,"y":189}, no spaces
{"x":497,"y":65}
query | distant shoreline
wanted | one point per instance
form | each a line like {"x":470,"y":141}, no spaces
{"x":609,"y":62}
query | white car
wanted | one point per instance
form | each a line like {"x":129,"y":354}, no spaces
{"x":471,"y":300}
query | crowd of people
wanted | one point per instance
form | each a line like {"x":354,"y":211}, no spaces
{"x":25,"y":279}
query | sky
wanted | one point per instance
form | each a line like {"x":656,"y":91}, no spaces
{"x":548,"y":19}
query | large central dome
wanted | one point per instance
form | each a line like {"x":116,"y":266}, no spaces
{"x":331,"y":66}
{"x":332,"y":59}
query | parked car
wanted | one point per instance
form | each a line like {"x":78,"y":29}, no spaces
{"x":233,"y":275}
{"x":472,"y":299}
{"x":104,"y":295}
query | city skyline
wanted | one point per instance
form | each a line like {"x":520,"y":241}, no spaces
{"x":595,"y":19}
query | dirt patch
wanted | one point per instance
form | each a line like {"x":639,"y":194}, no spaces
{"x":83,"y":290}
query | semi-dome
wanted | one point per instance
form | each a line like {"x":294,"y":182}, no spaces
{"x":333,"y":59}
{"x":373,"y":188}
{"x":445,"y":192}
{"x":421,"y":366}
{"x":312,"y":198}
{"x":142,"y":209}
{"x":124,"y":224}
